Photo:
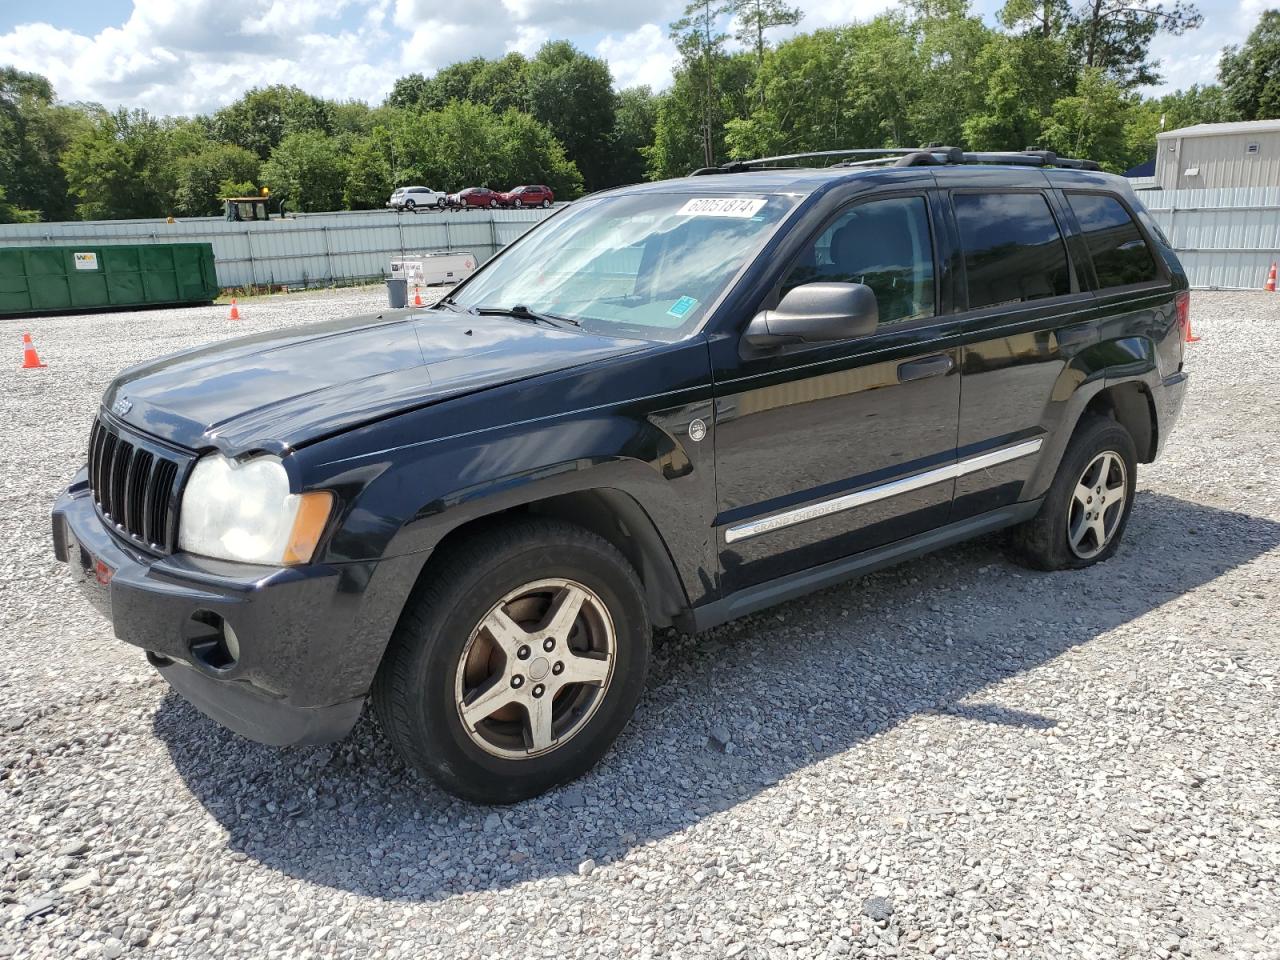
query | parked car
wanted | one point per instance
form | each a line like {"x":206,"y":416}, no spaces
{"x":528,"y":196}
{"x":411,"y":198}
{"x":476,"y":197}
{"x":675,"y":403}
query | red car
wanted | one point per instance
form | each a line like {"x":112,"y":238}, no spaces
{"x":476,"y":197}
{"x":535,"y":195}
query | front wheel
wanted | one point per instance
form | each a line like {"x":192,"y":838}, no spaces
{"x":1087,"y":507}
{"x":517,"y":663}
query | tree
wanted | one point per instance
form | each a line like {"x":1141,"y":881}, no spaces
{"x":1115,"y":36}
{"x":34,"y":133}
{"x":307,"y":170}
{"x":1024,"y":76}
{"x":754,"y":17}
{"x":679,"y":125}
{"x":572,"y":93}
{"x":264,"y":116}
{"x":118,"y":166}
{"x":1250,"y":75}
{"x":1091,"y":122}
{"x":11,"y":214}
{"x":503,"y":84}
{"x":217,"y":170}
{"x":700,"y":40}
{"x":637,"y":115}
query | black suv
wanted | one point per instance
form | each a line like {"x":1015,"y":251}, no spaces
{"x":669,"y":404}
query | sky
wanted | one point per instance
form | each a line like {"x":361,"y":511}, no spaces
{"x":193,"y":56}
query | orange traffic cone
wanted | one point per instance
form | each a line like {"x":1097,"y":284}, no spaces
{"x":1270,"y":286}
{"x":417,"y":297}
{"x":30,"y":359}
{"x":235,"y":311}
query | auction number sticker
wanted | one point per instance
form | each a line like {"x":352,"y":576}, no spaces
{"x":682,"y":307}
{"x":742,"y":207}
{"x":86,"y":261}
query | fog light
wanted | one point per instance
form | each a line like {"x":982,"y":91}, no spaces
{"x":212,"y":641}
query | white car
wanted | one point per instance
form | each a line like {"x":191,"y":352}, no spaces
{"x":411,"y":198}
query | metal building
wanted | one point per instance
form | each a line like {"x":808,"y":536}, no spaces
{"x":1215,"y":155}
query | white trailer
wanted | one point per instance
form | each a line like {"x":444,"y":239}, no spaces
{"x":427,"y":269}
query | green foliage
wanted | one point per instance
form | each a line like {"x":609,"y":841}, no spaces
{"x":1091,"y":122}
{"x":1250,"y":74}
{"x":463,"y":144}
{"x":264,"y":116}
{"x":119,"y":166}
{"x":34,"y":133}
{"x":11,"y":214}
{"x":678,"y":143}
{"x":202,"y":178}
{"x":754,"y":18}
{"x":572,"y":94}
{"x":633,"y":131}
{"x":308,"y":171}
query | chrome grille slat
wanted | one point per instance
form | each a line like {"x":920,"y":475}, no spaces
{"x":134,"y":482}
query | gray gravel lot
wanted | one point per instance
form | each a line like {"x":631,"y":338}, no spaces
{"x":955,"y":757}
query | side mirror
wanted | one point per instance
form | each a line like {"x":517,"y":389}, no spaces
{"x":816,"y":313}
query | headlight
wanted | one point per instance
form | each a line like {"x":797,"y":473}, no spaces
{"x":243,"y":510}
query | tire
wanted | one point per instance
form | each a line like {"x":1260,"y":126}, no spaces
{"x":546,"y":203}
{"x":442,"y":657}
{"x":409,"y":205}
{"x":493,"y":204}
{"x":517,"y":203}
{"x":1045,"y":542}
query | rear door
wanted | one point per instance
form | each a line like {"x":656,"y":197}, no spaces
{"x":826,"y":450}
{"x":1025,"y":315}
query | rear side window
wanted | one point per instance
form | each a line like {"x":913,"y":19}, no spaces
{"x":1120,"y":254}
{"x":1013,"y":250}
{"x":884,"y":244}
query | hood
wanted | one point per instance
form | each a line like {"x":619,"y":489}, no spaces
{"x":279,"y":390}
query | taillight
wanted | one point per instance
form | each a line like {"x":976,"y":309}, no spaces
{"x":1182,"y":307}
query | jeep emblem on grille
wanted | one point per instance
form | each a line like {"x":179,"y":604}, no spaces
{"x":121,"y":406}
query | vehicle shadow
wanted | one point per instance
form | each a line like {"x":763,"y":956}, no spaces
{"x":790,"y":686}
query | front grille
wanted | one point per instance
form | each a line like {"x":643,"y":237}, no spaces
{"x":135,"y":485}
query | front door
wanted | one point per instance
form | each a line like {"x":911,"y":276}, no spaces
{"x":827,"y":450}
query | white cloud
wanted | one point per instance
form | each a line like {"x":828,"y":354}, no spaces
{"x":196,"y":55}
{"x":645,"y":55}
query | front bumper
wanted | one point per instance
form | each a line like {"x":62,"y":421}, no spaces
{"x":309,"y":638}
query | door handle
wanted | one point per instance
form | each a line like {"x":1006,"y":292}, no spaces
{"x":928,"y":367}
{"x":1077,"y":336}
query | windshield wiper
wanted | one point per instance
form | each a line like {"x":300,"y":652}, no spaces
{"x":521,"y":312}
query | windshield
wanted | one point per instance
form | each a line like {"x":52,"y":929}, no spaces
{"x":642,"y":265}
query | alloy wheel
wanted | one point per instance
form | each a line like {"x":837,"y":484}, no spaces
{"x":1097,"y":505}
{"x":535,"y":669}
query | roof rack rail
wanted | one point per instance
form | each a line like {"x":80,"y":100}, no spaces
{"x":931,"y":155}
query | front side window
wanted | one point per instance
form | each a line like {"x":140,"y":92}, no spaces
{"x":1013,"y":250}
{"x":646,"y":265}
{"x":884,"y":244}
{"x":1120,"y":254}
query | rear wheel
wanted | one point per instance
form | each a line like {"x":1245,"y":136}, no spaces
{"x":546,"y":203}
{"x":409,"y":205}
{"x":1087,"y":507}
{"x":517,"y":663}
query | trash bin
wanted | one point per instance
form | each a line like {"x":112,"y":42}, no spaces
{"x":397,"y":292}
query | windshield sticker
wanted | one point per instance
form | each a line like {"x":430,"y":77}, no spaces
{"x":741,"y":207}
{"x":680,"y":309}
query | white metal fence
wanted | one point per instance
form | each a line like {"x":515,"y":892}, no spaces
{"x":310,"y":250}
{"x":1226,"y":238}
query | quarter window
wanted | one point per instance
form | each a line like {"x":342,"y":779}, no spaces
{"x":1120,"y":254}
{"x":1013,"y":250}
{"x":884,"y":244}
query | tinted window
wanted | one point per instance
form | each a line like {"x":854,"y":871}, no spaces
{"x":1013,"y":251}
{"x":884,"y":244}
{"x":1120,"y":255}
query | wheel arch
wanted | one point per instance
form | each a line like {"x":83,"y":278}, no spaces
{"x":614,"y":515}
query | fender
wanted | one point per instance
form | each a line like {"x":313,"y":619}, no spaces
{"x":1101,"y":367}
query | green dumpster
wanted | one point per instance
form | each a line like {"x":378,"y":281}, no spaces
{"x":71,"y":279}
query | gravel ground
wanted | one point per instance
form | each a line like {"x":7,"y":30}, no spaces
{"x":955,"y":757}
